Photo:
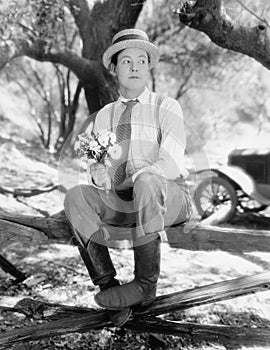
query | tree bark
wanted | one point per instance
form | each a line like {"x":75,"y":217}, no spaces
{"x":67,"y":319}
{"x":191,"y":236}
{"x":217,"y":334}
{"x":96,"y":27}
{"x":211,"y":18}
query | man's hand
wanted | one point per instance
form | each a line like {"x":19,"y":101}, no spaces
{"x":99,"y":174}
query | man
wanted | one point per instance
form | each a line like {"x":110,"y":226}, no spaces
{"x":145,"y":187}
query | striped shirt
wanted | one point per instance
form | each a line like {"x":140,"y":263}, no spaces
{"x":157,"y":134}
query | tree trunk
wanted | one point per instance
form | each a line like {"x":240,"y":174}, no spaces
{"x":105,"y":19}
{"x":96,"y":27}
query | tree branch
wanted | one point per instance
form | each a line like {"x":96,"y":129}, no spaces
{"x":210,"y":17}
{"x":253,"y":13}
{"x":81,"y":67}
{"x":26,"y":192}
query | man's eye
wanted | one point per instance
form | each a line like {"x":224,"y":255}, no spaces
{"x":126,"y":61}
{"x":143,"y":61}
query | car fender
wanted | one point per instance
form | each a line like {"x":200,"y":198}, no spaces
{"x":236,"y":176}
{"x":244,"y":181}
{"x":240,"y":177}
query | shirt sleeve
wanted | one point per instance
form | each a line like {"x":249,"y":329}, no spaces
{"x":170,"y":163}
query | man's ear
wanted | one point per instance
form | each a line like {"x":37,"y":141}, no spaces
{"x":112,"y":68}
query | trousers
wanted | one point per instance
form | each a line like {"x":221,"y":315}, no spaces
{"x":152,"y":204}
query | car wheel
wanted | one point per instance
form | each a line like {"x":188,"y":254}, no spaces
{"x":214,"y":194}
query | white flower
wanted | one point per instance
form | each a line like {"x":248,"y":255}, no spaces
{"x":93,"y":145}
{"x":115,"y":152}
{"x":104,"y":138}
{"x":103,"y":141}
{"x":98,"y":147}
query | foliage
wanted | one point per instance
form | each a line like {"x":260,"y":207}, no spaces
{"x":191,"y":64}
{"x":48,"y":90}
{"x":46,"y":87}
{"x":46,"y":20}
{"x":189,"y":55}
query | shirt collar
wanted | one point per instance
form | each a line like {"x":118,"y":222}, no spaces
{"x":142,"y":98}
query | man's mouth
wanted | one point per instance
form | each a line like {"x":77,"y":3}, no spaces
{"x":134,"y":77}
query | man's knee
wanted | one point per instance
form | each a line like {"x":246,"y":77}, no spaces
{"x":74,"y":195}
{"x":147,"y":181}
{"x":149,"y":186}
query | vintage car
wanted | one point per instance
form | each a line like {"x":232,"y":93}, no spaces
{"x":243,"y":184}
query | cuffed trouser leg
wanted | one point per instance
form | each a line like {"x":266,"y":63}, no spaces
{"x":157,"y":203}
{"x":151,"y":203}
{"x":92,"y":246}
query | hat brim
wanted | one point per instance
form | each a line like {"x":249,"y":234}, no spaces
{"x":150,"y":48}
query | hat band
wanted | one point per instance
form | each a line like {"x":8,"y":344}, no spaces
{"x":130,"y":37}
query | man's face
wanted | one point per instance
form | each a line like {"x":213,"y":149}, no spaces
{"x":132,"y":70}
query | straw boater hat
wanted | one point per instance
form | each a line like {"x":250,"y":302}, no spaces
{"x":131,"y":38}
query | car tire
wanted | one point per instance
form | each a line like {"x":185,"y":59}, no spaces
{"x":212,"y":194}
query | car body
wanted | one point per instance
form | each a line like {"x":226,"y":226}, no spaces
{"x":242,"y":184}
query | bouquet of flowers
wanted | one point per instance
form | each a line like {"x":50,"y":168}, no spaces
{"x":99,"y":147}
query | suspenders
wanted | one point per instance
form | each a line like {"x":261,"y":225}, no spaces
{"x":86,"y":123}
{"x":112,"y":115}
{"x":159,"y":100}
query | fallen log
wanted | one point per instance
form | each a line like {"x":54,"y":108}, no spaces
{"x":68,"y":319}
{"x":163,"y":304}
{"x":30,"y":192}
{"x":216,"y":334}
{"x":33,"y":229}
{"x":11,"y":232}
{"x":190,"y":236}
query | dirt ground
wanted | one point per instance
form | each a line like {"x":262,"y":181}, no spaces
{"x":56,"y":272}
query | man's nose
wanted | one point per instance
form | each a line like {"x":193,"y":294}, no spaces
{"x":134,"y":67}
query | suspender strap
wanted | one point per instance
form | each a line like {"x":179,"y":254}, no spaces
{"x":112,"y":115}
{"x":159,"y":100}
{"x":86,"y":123}
{"x":92,"y":118}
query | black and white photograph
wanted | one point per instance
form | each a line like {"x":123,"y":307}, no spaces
{"x":135,"y":174}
